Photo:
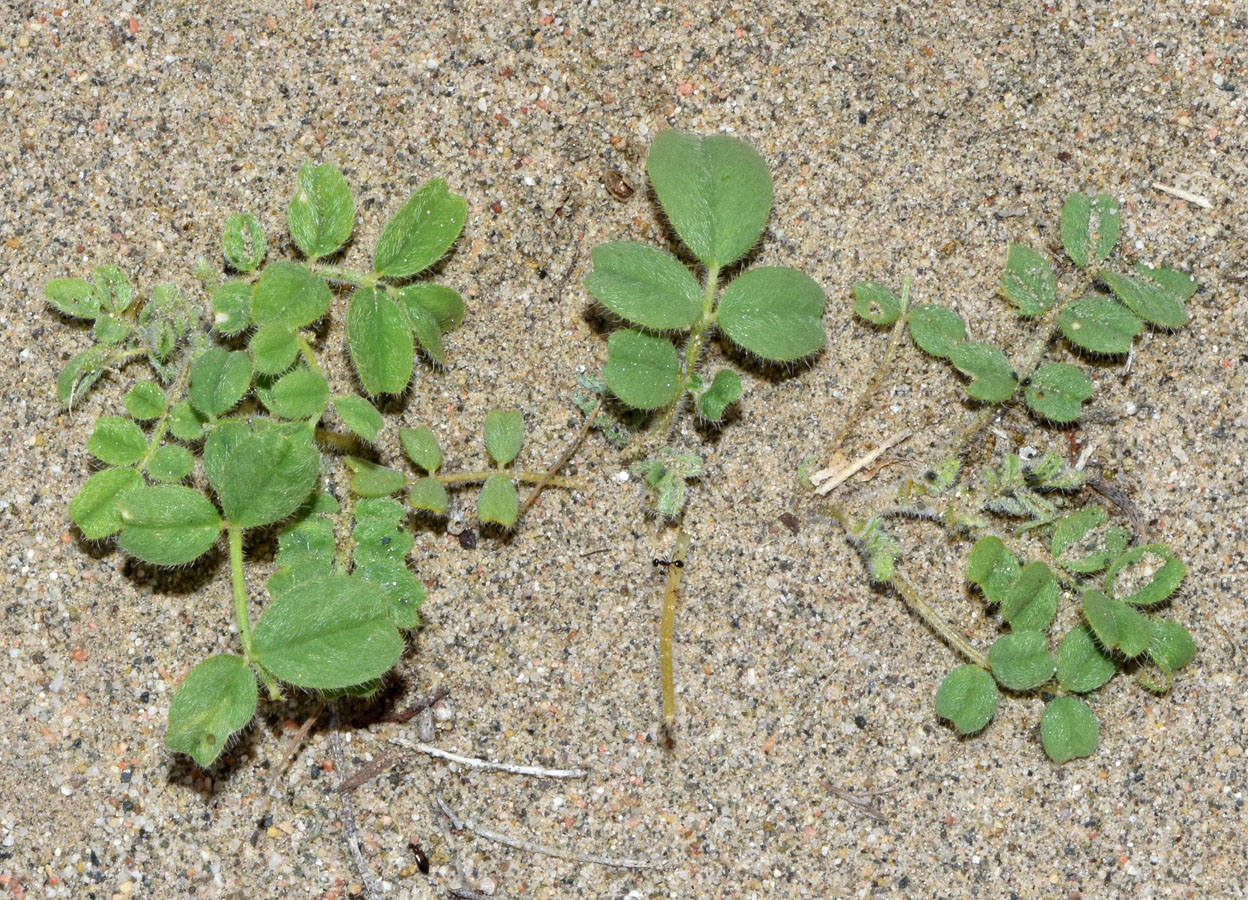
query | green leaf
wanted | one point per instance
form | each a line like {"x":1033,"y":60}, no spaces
{"x":773,"y":311}
{"x":1171,"y":645}
{"x":428,"y":494}
{"x":74,"y":297}
{"x":1089,"y":227}
{"x":371,"y":480}
{"x":642,"y":370}
{"x":80,"y":373}
{"x":993,"y":567}
{"x":723,"y":392}
{"x":305,"y":546}
{"x":170,"y":463}
{"x":1179,"y":283}
{"x":167,"y":525}
{"x":498,"y":501}
{"x":968,"y":698}
{"x":185,"y":423}
{"x":1020,"y":661}
{"x":360,"y":416}
{"x":421,"y":447}
{"x":112,"y":288}
{"x":1154,"y":562}
{"x":936,"y":329}
{"x":421,"y":231}
{"x":403,"y":589}
{"x":1073,"y":528}
{"x":329,"y":633}
{"x":219,"y":379}
{"x":716,"y":191}
{"x":301,"y":394}
{"x":1058,"y":391}
{"x":117,"y":441}
{"x":231,"y":307}
{"x":378,"y":533}
{"x":1031,"y":602}
{"x":321,"y":214}
{"x":875,"y":303}
{"x":1028,"y":281}
{"x":1100,"y":325}
{"x":1068,"y":729}
{"x":1116,"y":625}
{"x":242,"y":243}
{"x":992,"y":378}
{"x":267,"y":477}
{"x":216,"y":699}
{"x":504,"y":433}
{"x":108,"y":330}
{"x":1148,"y":299}
{"x":222,"y":441}
{"x":645,"y":286}
{"x":288,"y":294}
{"x":273,"y":348}
{"x":443,"y":303}
{"x":145,"y":401}
{"x":95,"y":509}
{"x":425,"y":327}
{"x":1081,"y":665}
{"x":380,"y":342}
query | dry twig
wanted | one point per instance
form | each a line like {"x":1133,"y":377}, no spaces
{"x":473,"y":762}
{"x":827,"y":480}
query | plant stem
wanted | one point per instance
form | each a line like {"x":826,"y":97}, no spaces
{"x":933,"y":620}
{"x":525,"y":477}
{"x":348,"y":276}
{"x":886,"y":361}
{"x":308,"y":354}
{"x":667,"y":631}
{"x":162,"y":424}
{"x":567,"y":454}
{"x":240,"y":588}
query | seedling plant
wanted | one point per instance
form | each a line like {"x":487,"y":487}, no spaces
{"x":226,"y":437}
{"x":1077,"y":549}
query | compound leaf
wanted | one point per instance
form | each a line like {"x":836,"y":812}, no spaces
{"x":1068,"y":729}
{"x":321,"y":214}
{"x":1089,"y":227}
{"x":504,"y":433}
{"x":644,"y":285}
{"x":167,"y":525}
{"x":992,"y":378}
{"x":288,"y":294}
{"x":642,"y":370}
{"x":217,"y":698}
{"x":716,"y":191}
{"x":96,"y":509}
{"x":1028,"y":281}
{"x":1148,"y":299}
{"x":1020,"y":661}
{"x":117,"y":441}
{"x":421,"y":231}
{"x":968,"y":698}
{"x":360,"y":416}
{"x":936,"y":329}
{"x":1058,"y":391}
{"x":1100,"y":325}
{"x":775,"y":312}
{"x":1081,"y":665}
{"x":380,"y":341}
{"x":1031,"y":602}
{"x":266,"y":477}
{"x":219,"y":379}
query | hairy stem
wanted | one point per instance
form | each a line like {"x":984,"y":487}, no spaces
{"x":346,"y":276}
{"x":525,"y":477}
{"x":240,"y":588}
{"x":933,"y":620}
{"x":667,"y":632}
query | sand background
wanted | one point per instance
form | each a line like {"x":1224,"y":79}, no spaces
{"x":904,"y":140}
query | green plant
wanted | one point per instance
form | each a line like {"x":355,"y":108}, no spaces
{"x":341,"y":593}
{"x":1077,"y":551}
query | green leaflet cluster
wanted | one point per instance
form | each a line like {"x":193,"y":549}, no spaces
{"x":1117,"y":586}
{"x":250,"y":418}
{"x":1101,"y":322}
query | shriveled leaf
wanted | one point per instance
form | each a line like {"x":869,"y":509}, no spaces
{"x":167,"y":525}
{"x":288,"y":294}
{"x":301,"y":394}
{"x":1089,"y":227}
{"x":1153,"y":573}
{"x":504,"y":433}
{"x":1068,"y":729}
{"x":74,"y":297}
{"x":644,"y":286}
{"x":1149,"y":300}
{"x":95,"y":509}
{"x":1020,"y":661}
{"x":145,"y":401}
{"x":329,"y":633}
{"x":242,"y":243}
{"x":1171,"y":644}
{"x":267,"y":477}
{"x":723,"y":392}
{"x":371,"y":480}
{"x":170,"y":463}
{"x":444,"y":304}
{"x":498,"y":501}
{"x":421,"y":231}
{"x":1028,"y":281}
{"x":380,"y":341}
{"x":716,"y":191}
{"x":321,"y":214}
{"x":273,"y":349}
{"x":359,"y":415}
{"x":1081,"y":665}
{"x":428,"y":494}
{"x":775,"y":312}
{"x":421,"y":446}
{"x":993,"y":567}
{"x":1058,"y":391}
{"x":642,"y":370}
{"x":1031,"y":602}
{"x":967,"y":698}
{"x":875,"y":303}
{"x":1116,"y":625}
{"x":216,"y":699}
{"x":936,"y":329}
{"x":992,"y":377}
{"x":231,"y":307}
{"x":117,"y":441}
{"x":1100,"y":325}
{"x":219,"y":379}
